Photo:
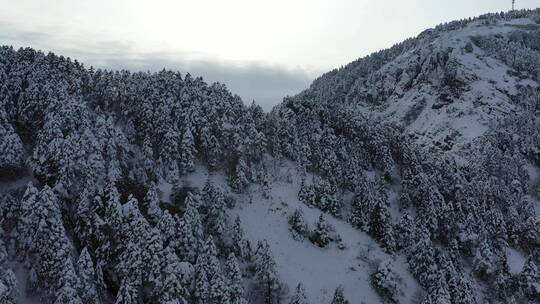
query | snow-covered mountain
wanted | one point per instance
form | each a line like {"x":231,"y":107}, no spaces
{"x":408,"y":176}
{"x":447,"y":86}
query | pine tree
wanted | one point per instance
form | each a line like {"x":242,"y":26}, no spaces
{"x":239,"y":179}
{"x":26,"y":228}
{"x":421,"y":260}
{"x":438,"y":292}
{"x":530,"y":279}
{"x":339,"y":298}
{"x":462,"y":293}
{"x":216,"y":219}
{"x":135,"y":230}
{"x":8,"y":282}
{"x":361,"y":206}
{"x":169,"y":155}
{"x":87,"y":278}
{"x":483,"y":259}
{"x":151,"y":204}
{"x":385,"y":280}
{"x":211,"y":148}
{"x":298,"y":225}
{"x":172,"y":289}
{"x":234,"y":280}
{"x":404,"y":231}
{"x":112,"y":209}
{"x":240,"y":245}
{"x":327,"y":199}
{"x":167,"y":226}
{"x":187,"y":151}
{"x":321,"y":235}
{"x":266,"y":275}
{"x":127,"y":294}
{"x":67,"y":293}
{"x":307,"y":194}
{"x":299,"y":296}
{"x":381,"y":227}
{"x":11,"y":149}
{"x":86,"y":223}
{"x":190,"y":232}
{"x":210,"y":286}
{"x":52,"y":247}
{"x":148,"y":161}
{"x":152,"y":259}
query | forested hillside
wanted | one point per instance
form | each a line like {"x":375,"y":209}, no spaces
{"x":412,"y":175}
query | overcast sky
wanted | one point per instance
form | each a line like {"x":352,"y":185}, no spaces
{"x":262,"y":49}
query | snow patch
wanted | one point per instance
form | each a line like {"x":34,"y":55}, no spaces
{"x":515,"y":260}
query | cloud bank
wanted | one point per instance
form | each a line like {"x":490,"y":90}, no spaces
{"x":253,"y":81}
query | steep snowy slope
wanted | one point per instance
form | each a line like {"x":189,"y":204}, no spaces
{"x":320,"y":270}
{"x":442,"y":86}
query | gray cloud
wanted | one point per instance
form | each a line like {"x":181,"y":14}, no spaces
{"x":264,"y":83}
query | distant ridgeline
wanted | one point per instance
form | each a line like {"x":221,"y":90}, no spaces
{"x":83,"y":153}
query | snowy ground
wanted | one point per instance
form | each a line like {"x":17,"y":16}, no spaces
{"x":515,"y":259}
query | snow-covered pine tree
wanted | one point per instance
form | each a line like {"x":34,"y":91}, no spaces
{"x":297,"y":225}
{"x":299,"y":296}
{"x":11,"y":150}
{"x":153,"y":260}
{"x":190,"y":231}
{"x":484,"y":259}
{"x":211,"y":286}
{"x":386,"y":280}
{"x":167,"y":226}
{"x":404,"y":232}
{"x":172,"y":292}
{"x":320,"y":236}
{"x":151,"y":204}
{"x":438,"y":291}
{"x":216,"y":218}
{"x":127,"y":294}
{"x":234,"y":280}
{"x":327,"y":200}
{"x":8,"y":282}
{"x":241,"y":247}
{"x":268,"y":283}
{"x":339,"y":298}
{"x":135,"y":230}
{"x":421,"y":259}
{"x":88,"y":288}
{"x":530,"y":279}
{"x":239,"y":179}
{"x":187,"y":151}
{"x":307,"y":194}
{"x":169,"y":155}
{"x":381,"y":226}
{"x":361,"y":206}
{"x":67,"y":292}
